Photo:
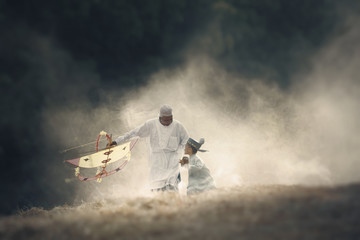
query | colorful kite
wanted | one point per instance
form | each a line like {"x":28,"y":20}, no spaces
{"x":103,"y":158}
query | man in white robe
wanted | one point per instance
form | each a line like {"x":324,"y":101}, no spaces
{"x":167,"y":139}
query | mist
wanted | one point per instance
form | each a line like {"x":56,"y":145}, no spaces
{"x":256,"y":131}
{"x":275,"y":96}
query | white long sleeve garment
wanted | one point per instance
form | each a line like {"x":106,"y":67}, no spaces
{"x":200,"y":178}
{"x":166,"y":145}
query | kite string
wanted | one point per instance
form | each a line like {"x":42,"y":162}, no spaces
{"x":83,"y":145}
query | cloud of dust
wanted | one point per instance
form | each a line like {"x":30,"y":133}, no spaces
{"x":250,"y":127}
{"x":256,"y":132}
{"x":330,"y":97}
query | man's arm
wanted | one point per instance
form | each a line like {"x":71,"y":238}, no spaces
{"x":141,"y":131}
{"x":184,"y":136}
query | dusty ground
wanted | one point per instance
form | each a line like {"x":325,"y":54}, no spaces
{"x":252,"y":212}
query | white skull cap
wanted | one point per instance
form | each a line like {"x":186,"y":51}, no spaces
{"x":165,"y":111}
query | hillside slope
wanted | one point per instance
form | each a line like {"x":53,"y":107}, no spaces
{"x":251,"y":212}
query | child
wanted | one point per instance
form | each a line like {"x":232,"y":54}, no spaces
{"x":200,"y":179}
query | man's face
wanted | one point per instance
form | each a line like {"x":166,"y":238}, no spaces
{"x":166,"y":121}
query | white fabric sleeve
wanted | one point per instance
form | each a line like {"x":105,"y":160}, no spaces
{"x":141,"y":131}
{"x":184,"y":136}
{"x":197,"y":163}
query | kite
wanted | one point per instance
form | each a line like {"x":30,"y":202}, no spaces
{"x":103,"y":158}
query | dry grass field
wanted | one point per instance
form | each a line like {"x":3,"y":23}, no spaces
{"x":246,"y":212}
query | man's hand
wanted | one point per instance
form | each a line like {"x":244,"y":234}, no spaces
{"x":113,"y":143}
{"x":184,"y":160}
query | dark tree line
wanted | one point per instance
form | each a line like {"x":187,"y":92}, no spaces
{"x":50,"y":48}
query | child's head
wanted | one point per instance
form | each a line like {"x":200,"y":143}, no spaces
{"x":190,"y":149}
{"x":192,"y":146}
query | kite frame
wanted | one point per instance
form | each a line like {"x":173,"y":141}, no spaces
{"x":103,"y":173}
